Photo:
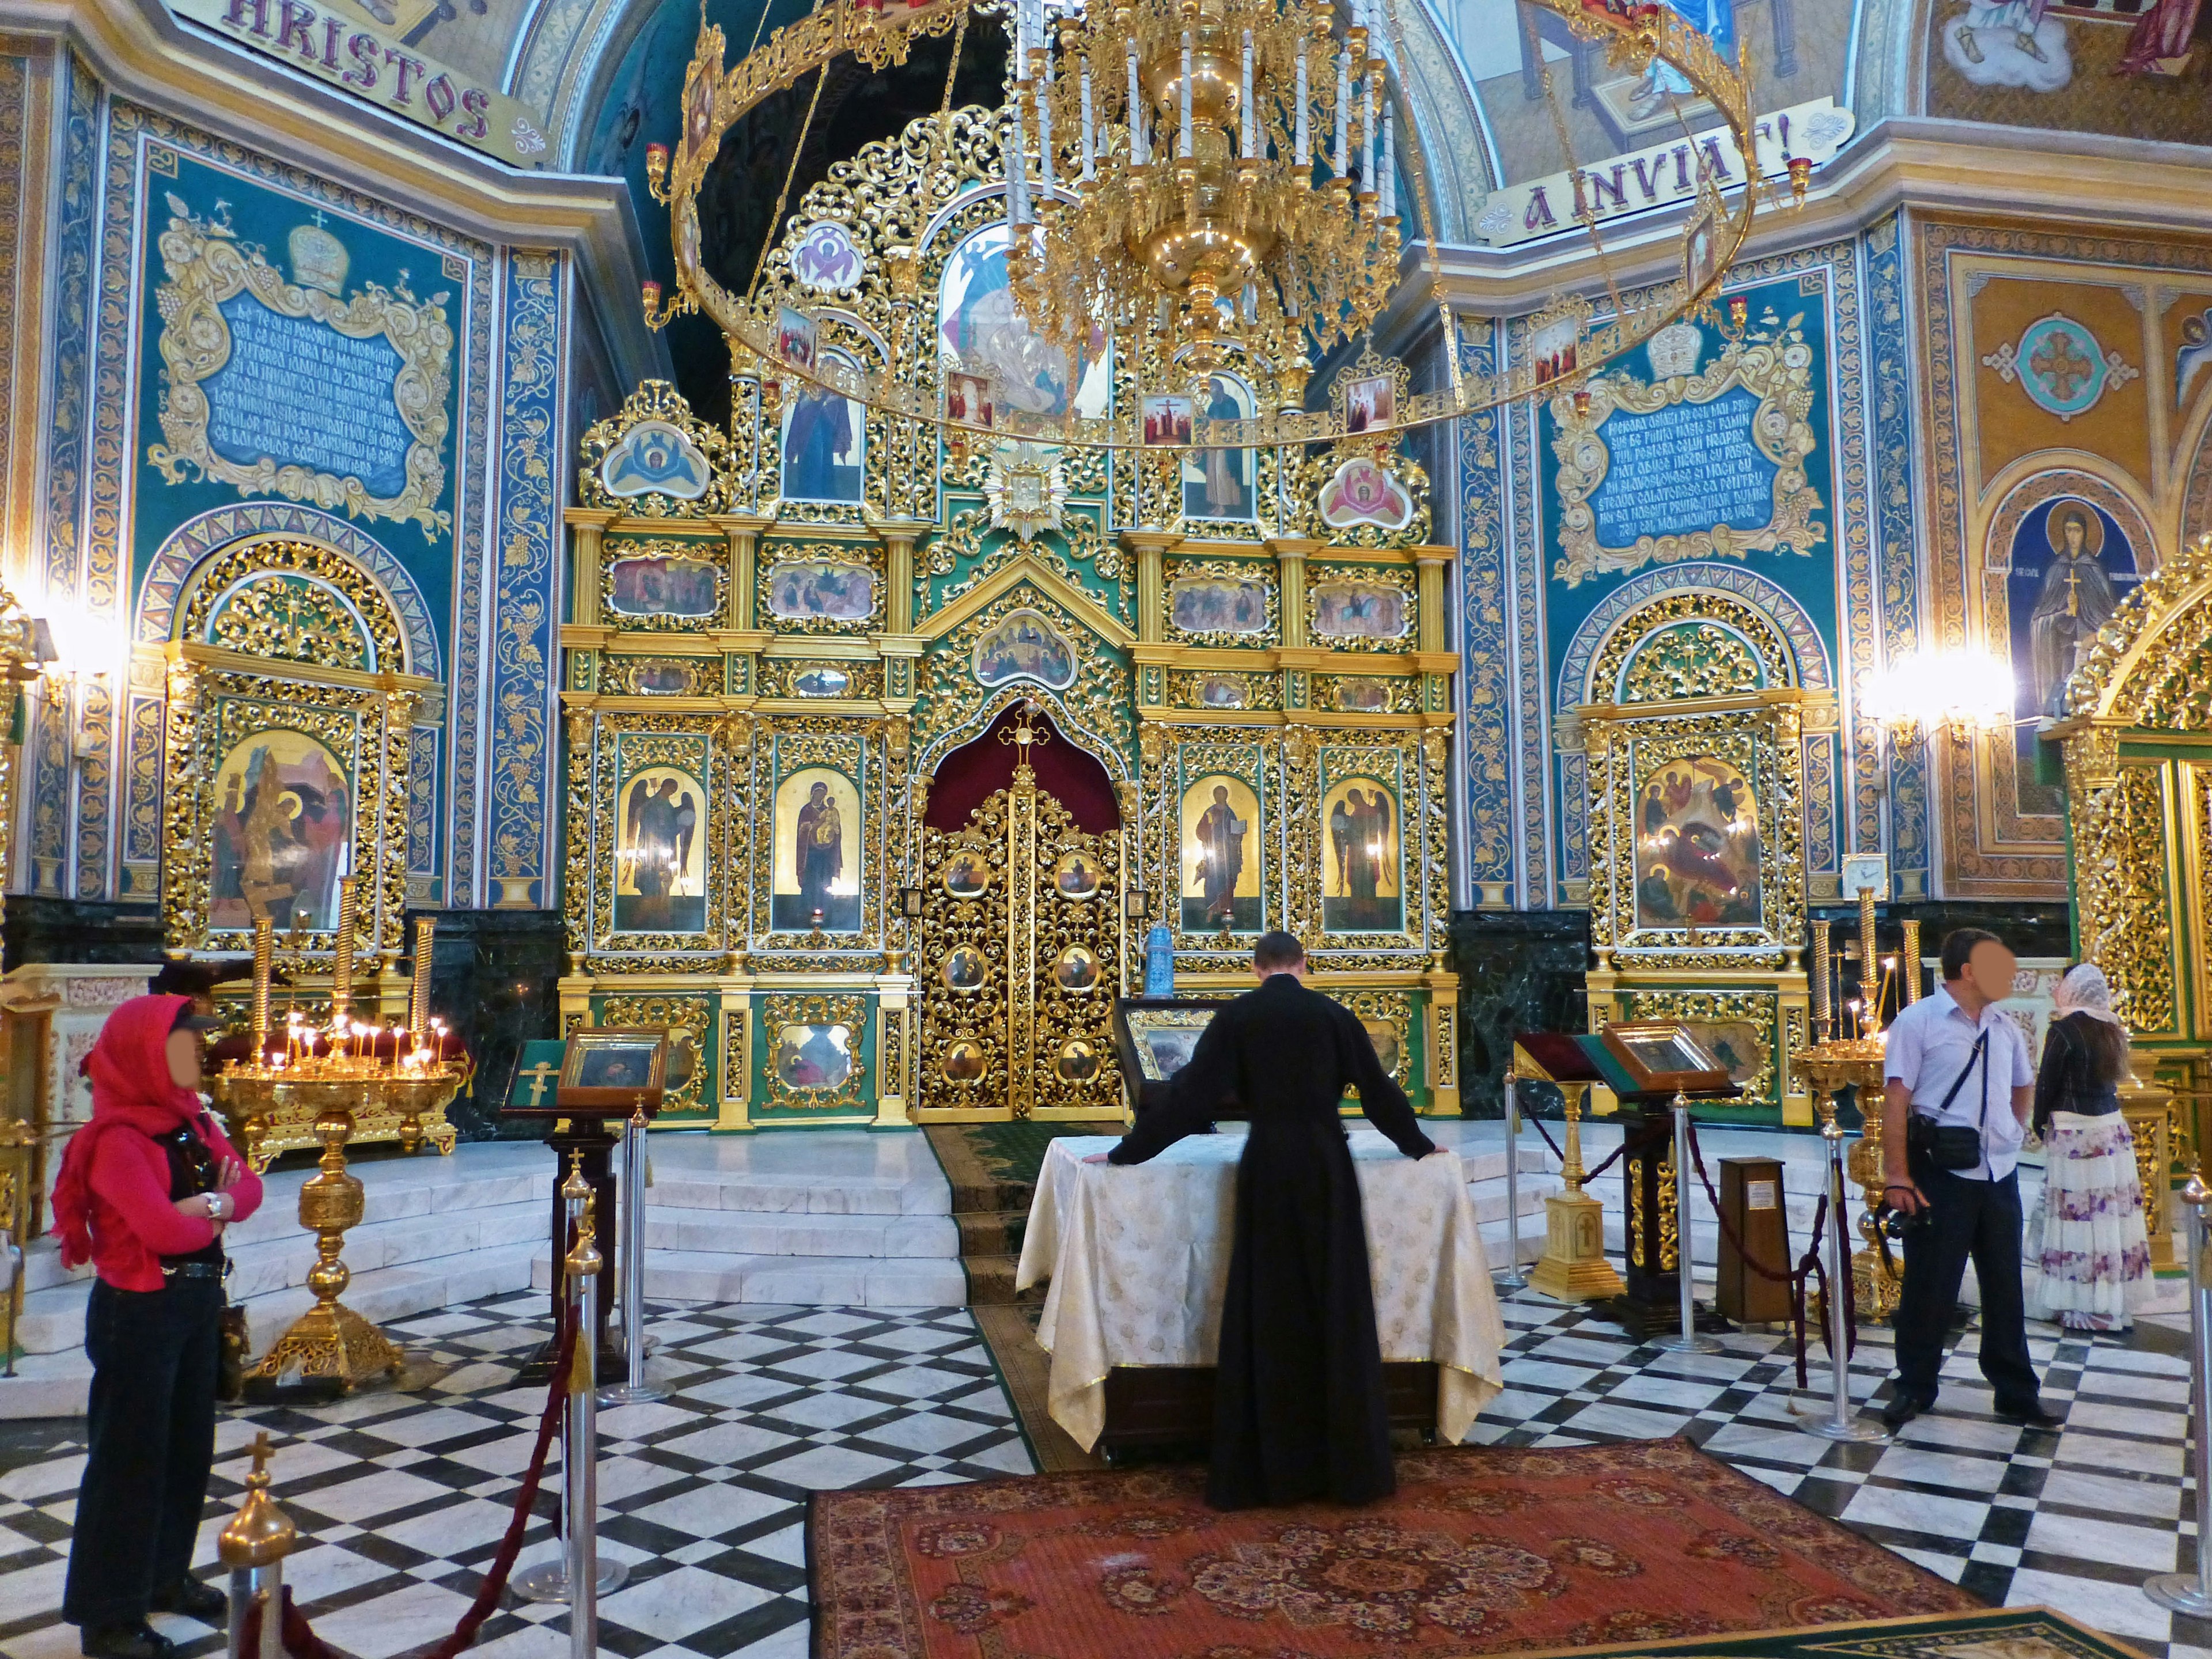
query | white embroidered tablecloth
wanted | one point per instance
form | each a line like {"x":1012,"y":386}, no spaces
{"x":1139,"y":1259}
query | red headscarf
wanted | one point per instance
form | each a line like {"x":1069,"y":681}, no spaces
{"x":131,"y":1088}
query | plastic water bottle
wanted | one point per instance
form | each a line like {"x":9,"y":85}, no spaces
{"x":1159,"y":962}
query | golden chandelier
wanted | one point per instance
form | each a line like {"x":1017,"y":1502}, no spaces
{"x":1197,"y":180}
{"x":1197,"y":196}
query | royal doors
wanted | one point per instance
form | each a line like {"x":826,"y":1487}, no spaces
{"x":1020,"y":952}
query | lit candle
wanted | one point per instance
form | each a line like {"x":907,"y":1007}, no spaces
{"x":1182,"y":150}
{"x":1090,"y":142}
{"x":342,"y":952}
{"x":1245,"y":111}
{"x":1304,"y":142}
{"x":1140,"y":149}
{"x":1343,"y":109}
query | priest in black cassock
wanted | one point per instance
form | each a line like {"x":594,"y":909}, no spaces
{"x":1298,"y":1412}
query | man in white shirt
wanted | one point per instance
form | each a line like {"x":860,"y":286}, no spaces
{"x":1956,"y":1061}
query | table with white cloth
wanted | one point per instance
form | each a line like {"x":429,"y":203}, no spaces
{"x":1139,"y":1259}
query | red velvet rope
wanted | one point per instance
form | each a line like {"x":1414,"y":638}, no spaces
{"x":301,"y":1642}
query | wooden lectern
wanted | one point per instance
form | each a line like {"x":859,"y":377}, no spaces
{"x":585,"y":1086}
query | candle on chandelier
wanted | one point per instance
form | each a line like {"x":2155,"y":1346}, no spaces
{"x":1245,"y":149}
{"x":1343,"y":110}
{"x":1367,"y":132}
{"x":1182,"y":150}
{"x":1140,"y":147}
{"x":1304,"y":141}
{"x":1044,"y":131}
{"x":1389,"y":180}
{"x":1089,"y":139}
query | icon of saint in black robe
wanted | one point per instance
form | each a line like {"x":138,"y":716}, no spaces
{"x":1298,"y":1410}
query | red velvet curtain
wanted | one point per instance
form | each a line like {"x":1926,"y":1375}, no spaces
{"x":968,"y":776}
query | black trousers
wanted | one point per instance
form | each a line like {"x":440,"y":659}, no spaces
{"x":151,"y":1423}
{"x":1979,"y":1219}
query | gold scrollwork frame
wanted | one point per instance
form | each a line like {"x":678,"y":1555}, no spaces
{"x":1176,"y":572}
{"x":217,"y":699}
{"x":820,"y":1008}
{"x":710,"y":554}
{"x":624,"y":741}
{"x":1394,"y":579}
{"x":1761,"y":734}
{"x":854,"y":748}
{"x":206,"y":267}
{"x":688,"y":1018}
{"x":1779,"y":373}
{"x":774,"y":556}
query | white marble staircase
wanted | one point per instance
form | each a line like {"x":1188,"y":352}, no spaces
{"x":848,"y":1218}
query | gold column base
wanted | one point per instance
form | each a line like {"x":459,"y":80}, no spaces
{"x":1573,"y":1267}
{"x":330,"y":1341}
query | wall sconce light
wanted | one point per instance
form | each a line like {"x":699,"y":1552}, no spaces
{"x":1961,"y":690}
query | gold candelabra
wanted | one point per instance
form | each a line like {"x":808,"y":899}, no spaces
{"x":337,"y":1071}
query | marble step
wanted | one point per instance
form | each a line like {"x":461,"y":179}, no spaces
{"x":799,"y":1233}
{"x":53,"y":1313}
{"x":849,"y":1172}
{"x":477,"y":1178}
{"x":53,"y":1383}
{"x":831,"y":1281}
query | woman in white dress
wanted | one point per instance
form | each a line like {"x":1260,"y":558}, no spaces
{"x":2094,"y":1255}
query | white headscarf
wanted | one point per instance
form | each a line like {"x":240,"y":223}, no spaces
{"x":2085,"y":990}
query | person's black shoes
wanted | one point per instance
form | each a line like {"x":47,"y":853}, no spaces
{"x":1902,"y":1409}
{"x":138,"y":1641}
{"x":2030,"y":1416}
{"x":195,"y":1600}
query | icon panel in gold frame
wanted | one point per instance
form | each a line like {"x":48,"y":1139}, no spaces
{"x":1663,"y":1058}
{"x":613,"y":1068}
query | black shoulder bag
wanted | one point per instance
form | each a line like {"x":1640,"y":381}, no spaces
{"x":1954,"y":1145}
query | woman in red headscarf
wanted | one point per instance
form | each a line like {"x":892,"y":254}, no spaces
{"x":145,"y":1191}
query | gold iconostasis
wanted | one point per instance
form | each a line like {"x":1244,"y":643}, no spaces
{"x":887,"y":747}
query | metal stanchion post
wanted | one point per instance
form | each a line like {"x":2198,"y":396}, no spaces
{"x":1684,"y":1274}
{"x":1515,"y":1279}
{"x":2191,"y":1593}
{"x":587,"y":1575}
{"x":253,"y":1546}
{"x":1840,"y":1424}
{"x":553,"y":1580}
{"x":636,"y":1391}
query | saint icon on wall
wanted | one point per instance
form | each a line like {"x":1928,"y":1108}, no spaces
{"x":2071,"y":565}
{"x":1361,"y":891}
{"x":823,"y":435}
{"x":1217,"y":483}
{"x":1698,"y":847}
{"x":284,"y":810}
{"x":813,"y":1056}
{"x":2076,"y":599}
{"x":816,"y":879}
{"x":1220,"y":855}
{"x":1076,"y":875}
{"x":660,"y":853}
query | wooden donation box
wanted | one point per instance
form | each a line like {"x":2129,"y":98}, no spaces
{"x":1752,"y":1204}
{"x":585,"y":1087}
{"x":1645,"y":1064}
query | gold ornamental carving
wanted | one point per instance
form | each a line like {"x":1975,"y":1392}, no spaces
{"x":796,"y":1026}
{"x":292,"y":601}
{"x":207,"y":267}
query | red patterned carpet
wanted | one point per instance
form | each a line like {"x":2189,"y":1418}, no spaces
{"x":1480,"y":1551}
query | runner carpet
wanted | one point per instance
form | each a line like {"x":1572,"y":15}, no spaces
{"x":1481,"y":1550}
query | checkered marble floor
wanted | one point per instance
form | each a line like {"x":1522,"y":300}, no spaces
{"x":401,"y":1497}
{"x":2075,"y":1519}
